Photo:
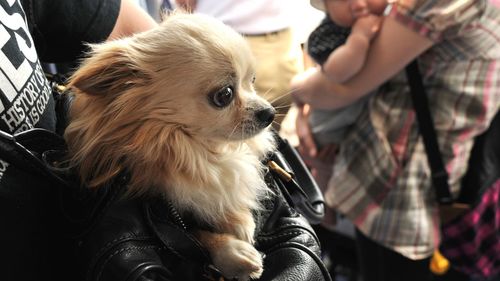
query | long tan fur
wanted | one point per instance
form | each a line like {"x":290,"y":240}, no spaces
{"x":143,"y":104}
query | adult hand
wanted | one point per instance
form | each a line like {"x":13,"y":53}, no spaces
{"x":306,"y":141}
{"x":320,"y":162}
{"x":188,"y":5}
{"x":300,"y":86}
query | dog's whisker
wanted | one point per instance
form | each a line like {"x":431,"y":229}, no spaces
{"x":265,"y":94}
{"x":234,"y":130}
{"x":292,"y":91}
{"x":276,"y":124}
{"x":282,"y":106}
{"x":281,"y":96}
{"x":277,"y":98}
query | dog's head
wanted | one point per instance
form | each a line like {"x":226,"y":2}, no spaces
{"x":190,"y":78}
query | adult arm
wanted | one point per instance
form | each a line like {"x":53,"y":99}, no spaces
{"x":394,"y":47}
{"x":131,"y":19}
{"x":61,"y":28}
{"x":188,"y":5}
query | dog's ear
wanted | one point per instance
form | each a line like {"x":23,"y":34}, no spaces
{"x":110,"y":69}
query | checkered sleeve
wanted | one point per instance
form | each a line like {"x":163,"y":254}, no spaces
{"x":436,"y":19}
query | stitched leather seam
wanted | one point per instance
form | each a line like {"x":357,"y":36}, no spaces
{"x":291,"y":226}
{"x":109,"y":245}
{"x":295,"y":226}
{"x":99,"y":273}
{"x":285,"y":226}
{"x":280,"y":235}
{"x":171,"y":249}
{"x":306,"y":250}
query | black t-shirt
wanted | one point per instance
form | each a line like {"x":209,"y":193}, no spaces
{"x":42,"y":30}
{"x":60,"y":28}
{"x":31,"y":32}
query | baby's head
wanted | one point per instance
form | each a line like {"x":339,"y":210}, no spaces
{"x":345,"y":12}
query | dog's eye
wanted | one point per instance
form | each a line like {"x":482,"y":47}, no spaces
{"x":253,"y":79}
{"x":223,"y":97}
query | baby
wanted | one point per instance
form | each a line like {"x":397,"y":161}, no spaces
{"x":353,"y":25}
{"x":345,"y":60}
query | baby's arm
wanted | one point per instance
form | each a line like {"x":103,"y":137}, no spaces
{"x":391,"y":50}
{"x":348,"y":59}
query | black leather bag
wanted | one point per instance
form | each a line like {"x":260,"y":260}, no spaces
{"x":297,"y":183}
{"x":110,"y":237}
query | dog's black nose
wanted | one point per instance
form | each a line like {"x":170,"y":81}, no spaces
{"x":265,"y":116}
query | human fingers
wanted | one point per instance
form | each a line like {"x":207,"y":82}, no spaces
{"x":327,"y":153}
{"x":187,"y":5}
{"x":298,"y":89}
{"x":304,"y":133}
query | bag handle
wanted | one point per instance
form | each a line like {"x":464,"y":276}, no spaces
{"x":426,"y":127}
{"x":296,"y":182}
{"x":24,"y":150}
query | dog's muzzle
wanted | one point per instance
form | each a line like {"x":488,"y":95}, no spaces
{"x":265,"y":116}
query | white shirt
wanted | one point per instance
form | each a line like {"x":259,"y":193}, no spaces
{"x":250,"y":16}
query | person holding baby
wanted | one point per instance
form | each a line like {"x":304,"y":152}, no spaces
{"x":376,"y":169}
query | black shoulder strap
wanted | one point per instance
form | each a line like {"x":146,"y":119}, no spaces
{"x":426,"y":126}
{"x":24,"y":151}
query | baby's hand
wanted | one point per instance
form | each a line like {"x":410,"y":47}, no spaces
{"x":367,"y":26}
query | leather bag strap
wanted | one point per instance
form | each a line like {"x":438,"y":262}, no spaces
{"x":25,"y":151}
{"x":299,"y":187}
{"x":428,"y":132}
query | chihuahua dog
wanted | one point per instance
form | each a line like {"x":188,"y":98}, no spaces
{"x":175,"y":107}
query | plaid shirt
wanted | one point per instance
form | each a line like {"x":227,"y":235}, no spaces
{"x":381,"y":179}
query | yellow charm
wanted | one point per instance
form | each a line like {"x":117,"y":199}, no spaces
{"x":439,"y":264}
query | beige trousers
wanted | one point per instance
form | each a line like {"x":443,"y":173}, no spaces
{"x":279,"y":58}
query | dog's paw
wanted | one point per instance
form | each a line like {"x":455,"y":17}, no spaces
{"x":238,"y":259}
